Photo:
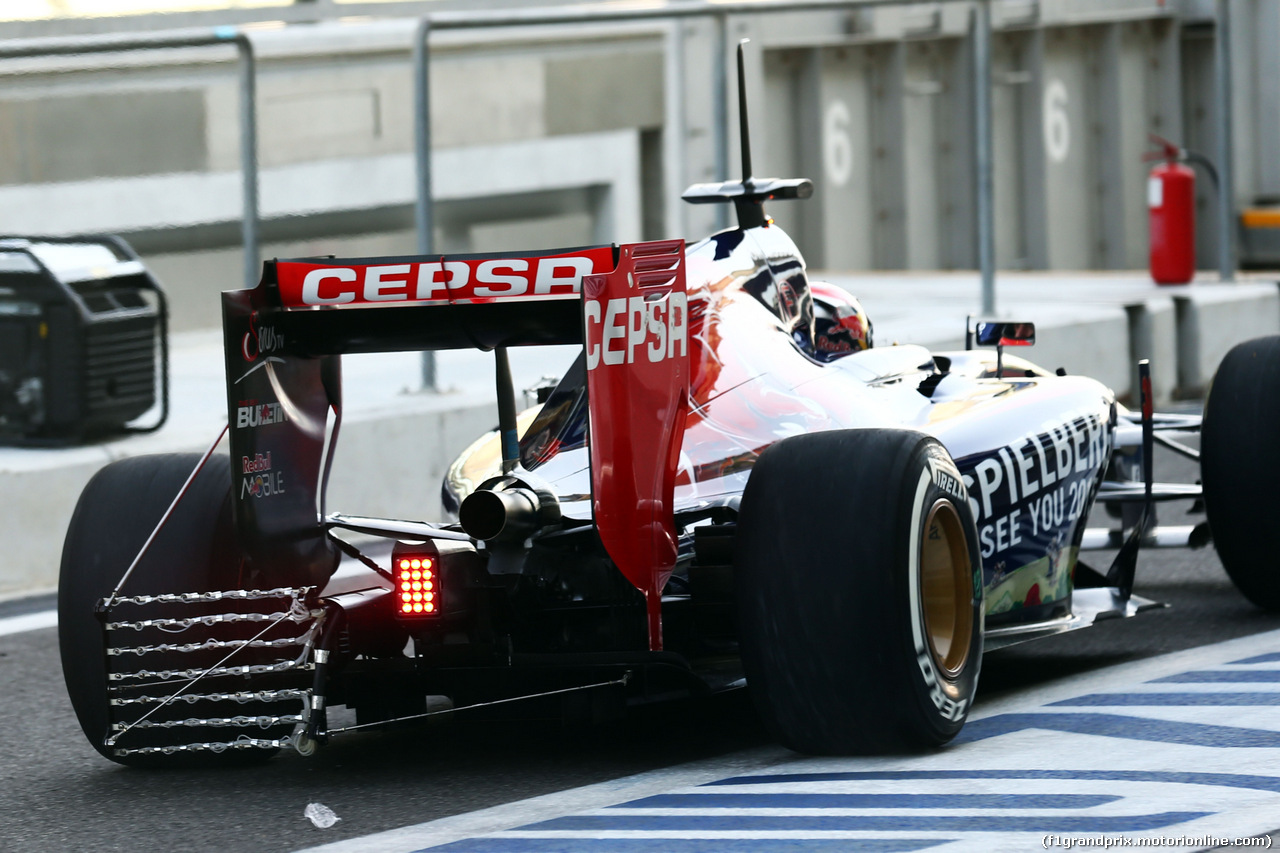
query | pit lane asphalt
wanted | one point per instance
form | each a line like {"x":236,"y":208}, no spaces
{"x":57,"y":794}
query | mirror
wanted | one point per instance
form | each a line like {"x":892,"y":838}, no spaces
{"x":1005,"y":334}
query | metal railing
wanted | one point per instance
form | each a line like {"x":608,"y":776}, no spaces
{"x":1226,"y":144}
{"x":77,"y":45}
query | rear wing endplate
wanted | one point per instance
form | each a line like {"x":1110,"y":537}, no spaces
{"x":636,"y":333}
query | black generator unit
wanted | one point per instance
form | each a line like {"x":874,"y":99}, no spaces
{"x":83,"y":340}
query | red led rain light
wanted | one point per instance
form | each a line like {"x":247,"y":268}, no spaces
{"x":417,"y":585}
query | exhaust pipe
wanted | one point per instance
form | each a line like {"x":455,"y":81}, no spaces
{"x":506,"y":510}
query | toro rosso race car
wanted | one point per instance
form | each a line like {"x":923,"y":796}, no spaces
{"x":730,"y":486}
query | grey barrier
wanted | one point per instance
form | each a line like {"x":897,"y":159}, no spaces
{"x":71,"y":46}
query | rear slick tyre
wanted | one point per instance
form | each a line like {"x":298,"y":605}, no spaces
{"x":1239,"y":467}
{"x":194,"y":552}
{"x":859,"y":592}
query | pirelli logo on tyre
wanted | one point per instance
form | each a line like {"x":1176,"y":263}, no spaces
{"x":946,"y":476}
{"x":948,"y":708}
{"x":940,"y":483}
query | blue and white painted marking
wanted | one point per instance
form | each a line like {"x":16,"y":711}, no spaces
{"x":1187,"y":745}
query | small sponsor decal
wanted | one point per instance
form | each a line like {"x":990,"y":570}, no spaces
{"x":260,"y":480}
{"x":252,"y":414}
{"x":264,"y":485}
{"x":259,"y":462}
{"x":260,"y":341}
{"x":256,"y":346}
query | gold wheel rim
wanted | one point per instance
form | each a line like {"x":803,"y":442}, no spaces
{"x":946,"y":587}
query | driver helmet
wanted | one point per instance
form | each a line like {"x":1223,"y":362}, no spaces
{"x":841,"y":324}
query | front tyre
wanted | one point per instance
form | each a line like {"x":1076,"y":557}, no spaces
{"x":1239,"y":466}
{"x":859,"y":592}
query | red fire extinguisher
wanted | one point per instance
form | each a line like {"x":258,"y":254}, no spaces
{"x":1171,"y":199}
{"x":1171,"y":195}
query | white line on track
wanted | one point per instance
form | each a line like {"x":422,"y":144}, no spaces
{"x":28,"y":622}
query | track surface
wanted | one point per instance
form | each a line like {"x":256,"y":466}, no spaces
{"x":56,"y":793}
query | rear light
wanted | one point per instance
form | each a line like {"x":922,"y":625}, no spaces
{"x":415,"y":570}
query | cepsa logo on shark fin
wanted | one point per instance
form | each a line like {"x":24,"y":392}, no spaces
{"x":626,"y":329}
{"x":446,"y":280}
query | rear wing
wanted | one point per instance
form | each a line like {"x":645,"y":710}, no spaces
{"x":282,"y":340}
{"x":331,"y":306}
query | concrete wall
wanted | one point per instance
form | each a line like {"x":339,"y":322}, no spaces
{"x":390,"y":468}
{"x":533,"y":147}
{"x":874,"y":104}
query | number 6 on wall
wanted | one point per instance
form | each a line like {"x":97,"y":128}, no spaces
{"x":837,"y":146}
{"x":1057,"y":131}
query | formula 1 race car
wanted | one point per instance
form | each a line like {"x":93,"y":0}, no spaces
{"x":730,"y":486}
